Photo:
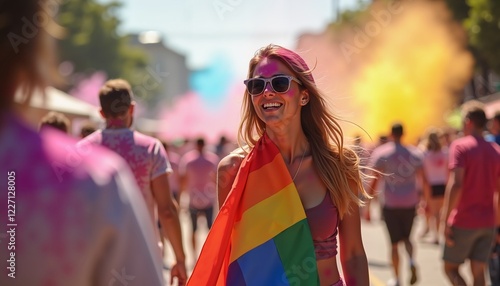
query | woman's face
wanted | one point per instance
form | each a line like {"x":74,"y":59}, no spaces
{"x":274,"y":107}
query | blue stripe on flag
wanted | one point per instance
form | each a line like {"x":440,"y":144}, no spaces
{"x":262,"y":266}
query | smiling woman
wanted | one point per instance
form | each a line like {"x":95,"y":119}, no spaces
{"x":288,"y":131}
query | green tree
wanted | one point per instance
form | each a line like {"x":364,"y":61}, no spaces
{"x":483,"y":28}
{"x":350,"y":17}
{"x":92,"y":42}
{"x":459,"y":8}
{"x":481,"y":20}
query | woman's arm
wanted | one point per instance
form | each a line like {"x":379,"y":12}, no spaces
{"x":352,"y":252}
{"x":226,"y":173}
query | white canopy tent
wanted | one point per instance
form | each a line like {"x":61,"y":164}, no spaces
{"x":491,"y":104}
{"x":56,"y":100}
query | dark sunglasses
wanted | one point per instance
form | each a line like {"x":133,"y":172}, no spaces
{"x":279,"y":83}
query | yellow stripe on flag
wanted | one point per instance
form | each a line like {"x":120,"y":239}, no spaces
{"x":263,"y":188}
{"x":265,"y":220}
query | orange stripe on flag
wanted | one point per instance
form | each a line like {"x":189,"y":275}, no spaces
{"x":262,"y":188}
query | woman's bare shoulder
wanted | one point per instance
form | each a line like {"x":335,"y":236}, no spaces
{"x":233,"y":160}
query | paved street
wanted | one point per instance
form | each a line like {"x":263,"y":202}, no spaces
{"x":427,"y":254}
{"x":376,"y":245}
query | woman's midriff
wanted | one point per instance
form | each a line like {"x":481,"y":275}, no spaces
{"x":328,"y":271}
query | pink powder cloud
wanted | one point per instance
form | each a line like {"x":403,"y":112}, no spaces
{"x":190,"y":117}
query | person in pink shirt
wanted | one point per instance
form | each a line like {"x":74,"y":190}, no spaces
{"x":173,"y":182}
{"x":70,"y":216}
{"x":198,"y":169}
{"x":469,"y":210}
{"x":173,"y":179}
{"x":147,"y":159}
{"x":402,"y":168}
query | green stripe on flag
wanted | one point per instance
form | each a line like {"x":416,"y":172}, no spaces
{"x":296,"y":249}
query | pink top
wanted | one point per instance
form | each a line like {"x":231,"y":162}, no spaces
{"x":481,"y":163}
{"x":323,"y":221}
{"x":200,"y":170}
{"x":144,"y":154}
{"x":73,"y":215}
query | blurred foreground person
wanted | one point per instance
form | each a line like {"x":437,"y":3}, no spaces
{"x":70,"y":216}
{"x":470,"y":203}
{"x":286,"y":196}
{"x":147,"y":158}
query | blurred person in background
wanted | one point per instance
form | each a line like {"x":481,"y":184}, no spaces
{"x":147,"y":159}
{"x":495,"y":128}
{"x":173,"y":178}
{"x":55,"y":120}
{"x":185,"y":146}
{"x":197,"y":170}
{"x":224,"y":147}
{"x":71,"y":216}
{"x":494,"y":262}
{"x":173,"y":182}
{"x":88,"y":127}
{"x":379,"y":191}
{"x":471,"y":198}
{"x":436,"y":172}
{"x":403,"y":166}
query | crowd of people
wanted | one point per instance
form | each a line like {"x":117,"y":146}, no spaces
{"x":451,"y":177}
{"x":282,"y":209}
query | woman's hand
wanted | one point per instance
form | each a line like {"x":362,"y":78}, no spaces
{"x":178,"y":271}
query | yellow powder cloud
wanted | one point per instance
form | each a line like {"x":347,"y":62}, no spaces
{"x":402,"y":63}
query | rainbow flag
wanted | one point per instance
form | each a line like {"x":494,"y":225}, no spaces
{"x":260,"y":236}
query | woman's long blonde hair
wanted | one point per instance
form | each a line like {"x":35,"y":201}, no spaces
{"x":433,"y":142}
{"x":337,"y":165}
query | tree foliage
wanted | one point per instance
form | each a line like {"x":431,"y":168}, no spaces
{"x":350,"y":17}
{"x":92,"y":42}
{"x":481,"y":20}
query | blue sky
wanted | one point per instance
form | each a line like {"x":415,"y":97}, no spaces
{"x":204,"y":30}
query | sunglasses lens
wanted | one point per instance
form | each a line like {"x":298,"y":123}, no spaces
{"x":281,"y":84}
{"x":255,"y":86}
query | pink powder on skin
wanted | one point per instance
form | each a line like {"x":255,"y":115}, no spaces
{"x":270,"y":67}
